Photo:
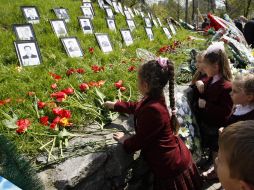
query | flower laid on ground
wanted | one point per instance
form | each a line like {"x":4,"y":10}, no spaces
{"x":84,"y":87}
{"x":55,"y":76}
{"x":59,"y":96}
{"x":41,"y":104}
{"x":53,"y":86}
{"x":91,"y":50}
{"x":131,"y":68}
{"x":68,"y":91}
{"x":122,"y":88}
{"x":97,"y":68}
{"x":44,"y":120}
{"x":96,"y":84}
{"x":72,"y":71}
{"x":118,"y":84}
{"x":22,"y":124}
{"x":31,"y":93}
{"x":170,"y":48}
{"x":3,"y":102}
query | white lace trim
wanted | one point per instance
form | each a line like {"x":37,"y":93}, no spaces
{"x":241,"y":110}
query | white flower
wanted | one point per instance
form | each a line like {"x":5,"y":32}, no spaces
{"x":184,"y":132}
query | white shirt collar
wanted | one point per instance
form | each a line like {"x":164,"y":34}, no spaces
{"x":241,"y":110}
{"x":216,"y":78}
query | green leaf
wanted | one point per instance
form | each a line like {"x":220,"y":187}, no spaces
{"x":100,"y":95}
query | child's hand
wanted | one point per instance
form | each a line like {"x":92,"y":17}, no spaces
{"x":109,"y":105}
{"x":201,"y":103}
{"x":200,"y":86}
{"x":120,"y":137}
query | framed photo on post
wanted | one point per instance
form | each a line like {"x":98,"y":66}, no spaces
{"x":86,"y":25}
{"x":131,"y":12}
{"x":31,"y":14}
{"x":127,"y":14}
{"x":148,"y":22}
{"x":166,"y":31}
{"x":87,"y":4}
{"x":87,"y":12}
{"x":101,"y":4}
{"x":126,"y":35}
{"x":149,"y":33}
{"x":111,"y":24}
{"x":72,"y":46}
{"x":59,"y":27}
{"x":131,"y":24}
{"x":115,"y":6}
{"x":109,"y":13}
{"x":172,"y":28}
{"x":104,"y":42}
{"x":159,"y":21}
{"x":28,"y":53}
{"x":109,"y":2}
{"x":62,"y":13}
{"x":24,"y":31}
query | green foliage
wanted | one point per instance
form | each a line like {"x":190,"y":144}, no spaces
{"x":16,"y":82}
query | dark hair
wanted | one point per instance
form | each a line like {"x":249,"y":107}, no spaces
{"x":157,"y":77}
{"x":221,"y":59}
{"x":237,"y":143}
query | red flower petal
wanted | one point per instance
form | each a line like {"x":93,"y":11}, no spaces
{"x":44,"y":120}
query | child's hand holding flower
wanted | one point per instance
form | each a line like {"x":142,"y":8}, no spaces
{"x":109,"y":105}
{"x":200,"y":86}
{"x":120,"y":137}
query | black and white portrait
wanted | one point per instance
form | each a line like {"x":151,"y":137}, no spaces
{"x":149,"y":33}
{"x":111,"y":24}
{"x":86,"y":25}
{"x":89,"y":5}
{"x":87,"y":12}
{"x":104,"y":42}
{"x":166,"y":31}
{"x":62,"y":13}
{"x":31,"y":14}
{"x":24,"y":31}
{"x":159,"y":21}
{"x":109,"y":13}
{"x":131,"y":12}
{"x":28,"y":53}
{"x":115,"y":6}
{"x":72,"y":46}
{"x":101,"y":3}
{"x":127,"y":14}
{"x":127,"y":38}
{"x":59,"y":27}
{"x":172,"y":28}
{"x":131,"y":24}
{"x":148,"y":22}
{"x":120,"y":8}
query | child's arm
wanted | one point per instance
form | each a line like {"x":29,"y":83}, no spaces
{"x":149,"y":125}
{"x":124,"y":107}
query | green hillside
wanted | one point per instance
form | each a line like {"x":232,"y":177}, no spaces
{"x":16,"y":82}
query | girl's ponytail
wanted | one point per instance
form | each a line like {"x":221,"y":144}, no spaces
{"x":225,"y":68}
{"x":174,"y":122}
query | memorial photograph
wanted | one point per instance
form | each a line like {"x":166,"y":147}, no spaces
{"x":72,"y":46}
{"x":62,"y":13}
{"x":24,"y":31}
{"x":87,"y":12}
{"x":131,"y":24}
{"x":104,"y":42}
{"x":59,"y":27}
{"x":148,"y":22}
{"x":126,"y":35}
{"x":149,"y":33}
{"x":31,"y":14}
{"x":111,"y":24}
{"x":28,"y":53}
{"x":86,"y":25}
{"x":166,"y":31}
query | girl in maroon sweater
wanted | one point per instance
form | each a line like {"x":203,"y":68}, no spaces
{"x":165,"y":153}
{"x":214,"y":104}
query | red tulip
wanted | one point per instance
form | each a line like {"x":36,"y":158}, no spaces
{"x":44,"y":120}
{"x":41,"y":104}
{"x":60,"y":96}
{"x":68,"y":91}
{"x":131,"y":68}
{"x":22,"y":125}
{"x":91,"y":50}
{"x":31,"y":93}
{"x":101,"y":82}
{"x":81,"y":71}
{"x":56,"y":120}
{"x":118,"y":84}
{"x":52,"y":125}
{"x":55,"y":76}
{"x":57,"y":111}
{"x":70,"y":71}
{"x":83,"y":87}
{"x":66,"y":113}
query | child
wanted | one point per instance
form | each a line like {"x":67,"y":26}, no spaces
{"x":165,"y":153}
{"x":214,"y":104}
{"x":199,"y":74}
{"x":235,"y":166}
{"x":243,"y":97}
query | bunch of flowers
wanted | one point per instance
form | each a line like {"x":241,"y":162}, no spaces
{"x":170,"y":48}
{"x":119,"y":85}
{"x":72,"y":71}
{"x":97,"y":68}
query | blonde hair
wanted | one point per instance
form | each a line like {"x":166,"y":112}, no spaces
{"x":245,"y":82}
{"x":237,"y":142}
{"x":198,"y":74}
{"x":219,"y":57}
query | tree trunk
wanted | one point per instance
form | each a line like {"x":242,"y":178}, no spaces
{"x":186,"y":10}
{"x":247,"y":8}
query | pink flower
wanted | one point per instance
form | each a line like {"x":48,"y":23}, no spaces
{"x":54,"y":86}
{"x":31,"y":93}
{"x":122,"y":88}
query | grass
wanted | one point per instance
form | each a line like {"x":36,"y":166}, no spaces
{"x":15,"y":83}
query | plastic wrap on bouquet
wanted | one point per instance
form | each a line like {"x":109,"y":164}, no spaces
{"x":5,"y":184}
{"x":188,"y":131}
{"x":145,"y":55}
